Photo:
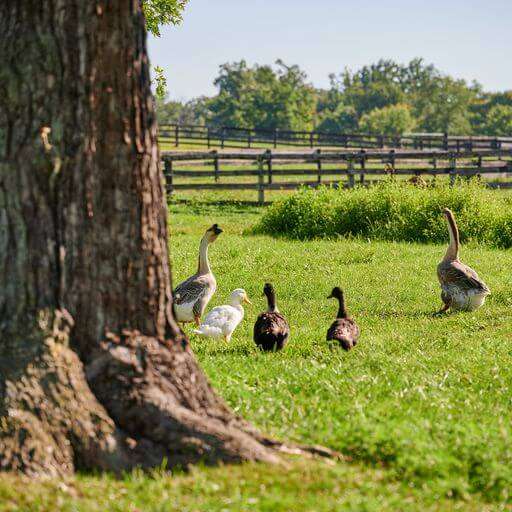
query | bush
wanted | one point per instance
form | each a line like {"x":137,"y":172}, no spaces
{"x":393,"y":211}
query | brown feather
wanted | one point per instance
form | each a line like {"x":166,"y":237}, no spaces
{"x":345,"y":331}
{"x":271,"y":331}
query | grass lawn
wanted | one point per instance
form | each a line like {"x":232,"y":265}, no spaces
{"x":421,"y":408}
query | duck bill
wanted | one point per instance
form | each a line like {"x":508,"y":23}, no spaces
{"x":247,"y":301}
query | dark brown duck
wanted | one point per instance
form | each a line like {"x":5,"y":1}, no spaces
{"x":271,"y":330}
{"x":343,"y":330}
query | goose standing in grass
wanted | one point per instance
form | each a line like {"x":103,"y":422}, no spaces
{"x":344,"y":330}
{"x":221,"y":321}
{"x":461,"y":288}
{"x":192,"y":296}
{"x":271,"y":330}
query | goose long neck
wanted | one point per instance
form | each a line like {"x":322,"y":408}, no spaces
{"x":452,"y":253}
{"x":342,"y":310}
{"x":203,"y":266}
{"x":271,"y":300}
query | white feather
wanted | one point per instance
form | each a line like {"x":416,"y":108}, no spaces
{"x":184,"y":312}
{"x":221,"y":321}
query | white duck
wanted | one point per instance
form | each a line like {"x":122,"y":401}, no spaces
{"x":221,"y":321}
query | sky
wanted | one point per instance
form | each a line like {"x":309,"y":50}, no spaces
{"x":469,"y":39}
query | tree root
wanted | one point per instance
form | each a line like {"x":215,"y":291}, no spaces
{"x":141,"y":402}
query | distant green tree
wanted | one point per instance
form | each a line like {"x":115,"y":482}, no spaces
{"x":445,"y":106}
{"x":390,"y":120}
{"x":342,"y":120}
{"x":481,"y":107}
{"x":262,"y":97}
{"x":177,"y":112}
{"x":438,"y":103}
{"x":499,"y":121}
{"x":374,"y":86}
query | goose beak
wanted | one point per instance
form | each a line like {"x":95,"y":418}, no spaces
{"x":330,"y":296}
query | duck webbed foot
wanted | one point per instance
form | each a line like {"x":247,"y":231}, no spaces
{"x":443,"y":310}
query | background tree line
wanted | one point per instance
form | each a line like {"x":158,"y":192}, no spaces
{"x":385,"y":97}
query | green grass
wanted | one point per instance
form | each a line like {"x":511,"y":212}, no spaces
{"x":421,"y":408}
{"x":308,"y":487}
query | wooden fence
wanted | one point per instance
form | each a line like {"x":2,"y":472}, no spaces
{"x":228,"y":137}
{"x":335,"y":168}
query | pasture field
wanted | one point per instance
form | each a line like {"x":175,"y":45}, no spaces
{"x":421,"y":409}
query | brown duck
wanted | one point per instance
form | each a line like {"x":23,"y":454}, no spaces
{"x":461,"y":288}
{"x":271,"y":330}
{"x":344,"y":329}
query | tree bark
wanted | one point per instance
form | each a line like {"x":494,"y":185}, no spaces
{"x":94,"y":372}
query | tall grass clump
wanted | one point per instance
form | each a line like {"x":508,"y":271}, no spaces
{"x":393,"y":211}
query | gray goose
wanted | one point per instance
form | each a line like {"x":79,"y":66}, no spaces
{"x":344,"y":329}
{"x":271,"y":330}
{"x":192,"y":295}
{"x":461,"y":288}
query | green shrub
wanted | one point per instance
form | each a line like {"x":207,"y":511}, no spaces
{"x":393,"y":211}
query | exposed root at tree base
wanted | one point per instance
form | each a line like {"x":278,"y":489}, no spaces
{"x":139,"y":402}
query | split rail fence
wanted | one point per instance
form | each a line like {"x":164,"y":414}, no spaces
{"x":229,"y":137}
{"x":334,"y":168}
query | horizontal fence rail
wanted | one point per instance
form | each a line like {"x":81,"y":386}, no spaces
{"x":229,"y":137}
{"x":259,"y":171}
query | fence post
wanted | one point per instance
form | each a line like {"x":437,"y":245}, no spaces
{"x":453,"y":170}
{"x":363,"y":166}
{"x":177,"y":135}
{"x":381,"y":141}
{"x":445,"y":141}
{"x":168,"y":173}
{"x":350,"y":172}
{"x":497,"y":144}
{"x":248,"y":139}
{"x":269,"y":165}
{"x":222,"y":136}
{"x":208,"y":137}
{"x":311,"y":140}
{"x":319,"y":167}
{"x":216,"y":165}
{"x":261,"y":183}
{"x":275,"y":138}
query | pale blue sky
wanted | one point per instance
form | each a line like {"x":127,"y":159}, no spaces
{"x":470,"y":39}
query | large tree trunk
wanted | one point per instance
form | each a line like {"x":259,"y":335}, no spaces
{"x":94,"y":372}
